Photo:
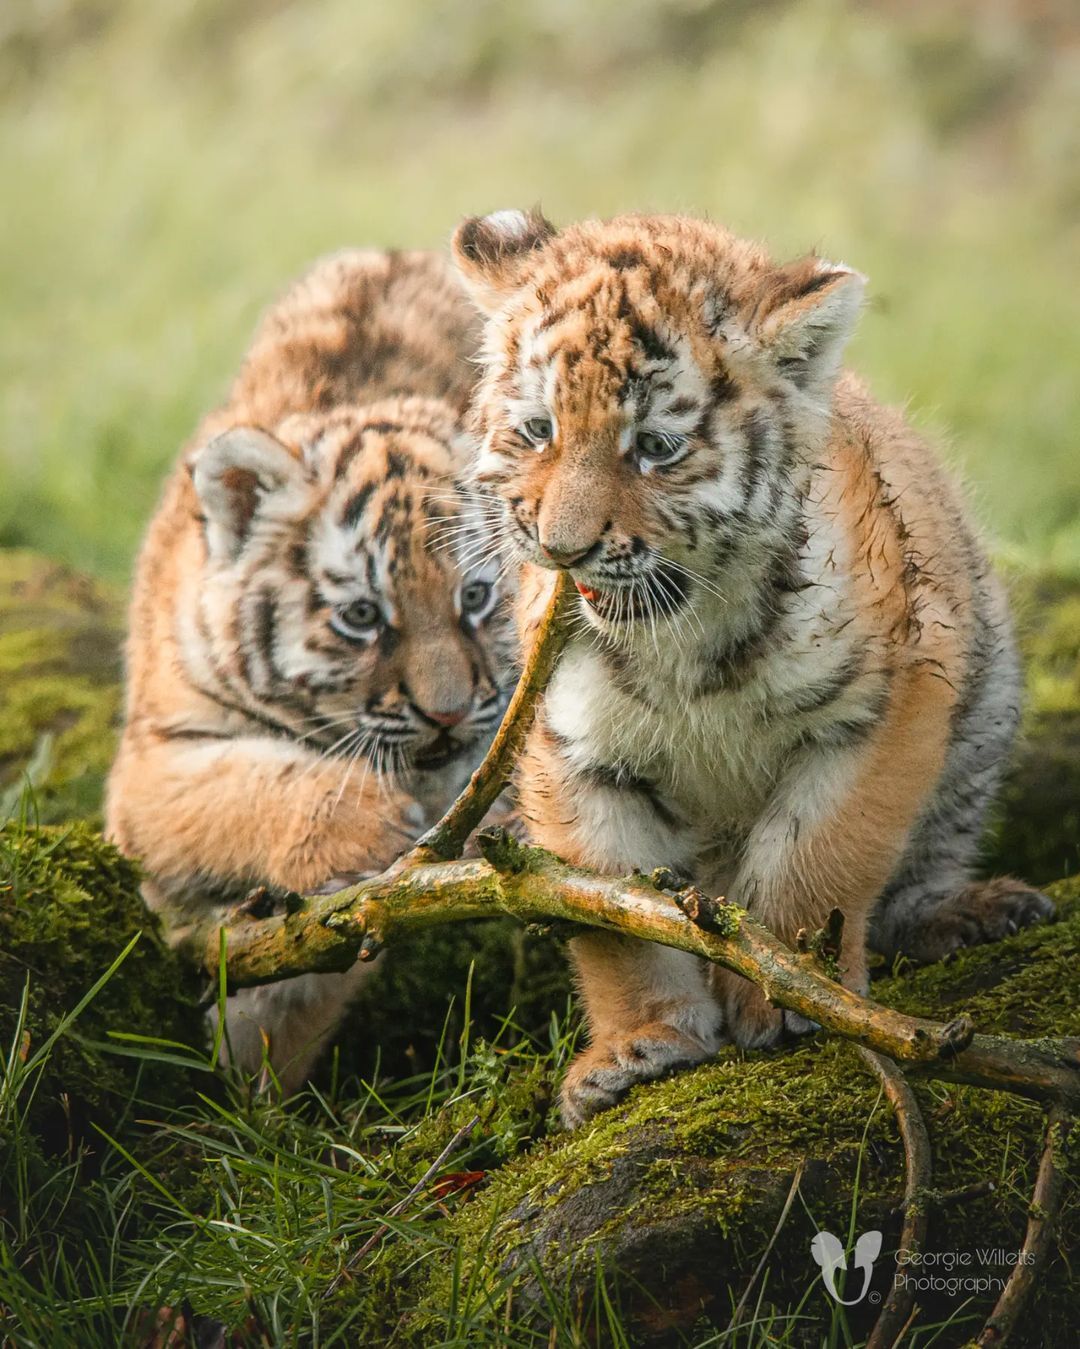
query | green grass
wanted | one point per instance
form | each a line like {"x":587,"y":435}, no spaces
{"x":168,"y":167}
{"x":233,"y":1209}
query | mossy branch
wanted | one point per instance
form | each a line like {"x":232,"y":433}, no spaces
{"x":425,"y":887}
{"x":330,"y":932}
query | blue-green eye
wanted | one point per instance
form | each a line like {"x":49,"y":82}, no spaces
{"x":356,"y":622}
{"x":538,"y":430}
{"x":654,"y":448}
{"x":477,"y":598}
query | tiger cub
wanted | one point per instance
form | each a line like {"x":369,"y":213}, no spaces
{"x":795,"y":680}
{"x":319,"y":646}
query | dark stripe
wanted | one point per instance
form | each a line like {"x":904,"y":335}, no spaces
{"x":819,"y":282}
{"x":618,"y":777}
{"x":679,"y":406}
{"x":755,"y":429}
{"x":190,"y":733}
{"x":624,"y":259}
{"x":649,"y":340}
{"x":819,"y":696}
{"x":356,"y":506}
{"x":268,"y":723}
{"x":723,"y":388}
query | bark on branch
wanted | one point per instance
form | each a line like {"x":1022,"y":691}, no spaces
{"x":330,"y":932}
{"x":423,"y":888}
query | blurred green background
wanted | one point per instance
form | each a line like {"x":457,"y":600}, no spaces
{"x":166,"y":167}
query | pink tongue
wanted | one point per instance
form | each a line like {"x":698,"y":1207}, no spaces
{"x":589,"y":594}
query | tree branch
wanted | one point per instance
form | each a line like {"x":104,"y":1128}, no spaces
{"x":1042,"y":1216}
{"x":330,"y":932}
{"x":447,"y":838}
{"x":898,"y":1312}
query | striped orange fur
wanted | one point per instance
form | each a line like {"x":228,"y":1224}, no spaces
{"x":319,"y":644}
{"x":794,"y":679}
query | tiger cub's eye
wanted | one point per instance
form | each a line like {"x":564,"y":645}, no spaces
{"x":476,"y":597}
{"x":356,"y":621}
{"x":653,"y":448}
{"x":538,"y":430}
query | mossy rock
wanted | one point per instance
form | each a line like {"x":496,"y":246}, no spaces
{"x":60,"y":636}
{"x":69,"y":905}
{"x":674,"y":1196}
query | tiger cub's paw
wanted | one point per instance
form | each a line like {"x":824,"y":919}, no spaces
{"x":752,"y":1021}
{"x":602,"y":1074}
{"x":983,"y":912}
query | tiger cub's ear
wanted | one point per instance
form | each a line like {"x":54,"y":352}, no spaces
{"x":491,"y":252}
{"x":804,"y":314}
{"x":233,"y":474}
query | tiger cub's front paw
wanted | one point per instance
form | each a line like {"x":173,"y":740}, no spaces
{"x":602,"y":1074}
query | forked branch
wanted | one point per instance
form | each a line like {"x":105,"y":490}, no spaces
{"x":447,"y":839}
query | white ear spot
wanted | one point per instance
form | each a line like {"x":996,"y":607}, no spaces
{"x":510,"y":224}
{"x":493,"y":251}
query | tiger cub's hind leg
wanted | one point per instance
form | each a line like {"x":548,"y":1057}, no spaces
{"x":982,"y":911}
{"x":932,"y":907}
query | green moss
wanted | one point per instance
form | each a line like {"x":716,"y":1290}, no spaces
{"x":59,"y":686}
{"x":681,"y":1187}
{"x":69,"y":904}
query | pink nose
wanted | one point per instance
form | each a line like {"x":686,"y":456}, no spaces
{"x":446,"y":718}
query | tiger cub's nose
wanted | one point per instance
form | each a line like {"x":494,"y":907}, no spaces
{"x":453,"y":718}
{"x":566,"y":558}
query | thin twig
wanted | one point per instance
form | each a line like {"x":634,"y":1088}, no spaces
{"x":402,"y":1205}
{"x":1042,"y":1217}
{"x":899,"y":1310}
{"x":740,"y":1309}
{"x":447,"y":839}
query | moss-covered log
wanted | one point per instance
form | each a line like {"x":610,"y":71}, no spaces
{"x":69,"y":905}
{"x":59,"y":686}
{"x":674,"y":1195}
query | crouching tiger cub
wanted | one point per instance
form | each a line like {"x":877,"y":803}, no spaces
{"x":796,"y":680}
{"x":318,"y":650}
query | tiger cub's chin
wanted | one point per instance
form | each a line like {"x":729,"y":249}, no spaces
{"x":320,"y":644}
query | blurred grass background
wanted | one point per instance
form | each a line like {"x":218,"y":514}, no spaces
{"x":167,"y":167}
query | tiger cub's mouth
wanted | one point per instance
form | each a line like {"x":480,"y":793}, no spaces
{"x":655,"y":595}
{"x":443,"y":750}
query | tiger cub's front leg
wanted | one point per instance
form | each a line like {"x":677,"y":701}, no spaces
{"x":832,"y":835}
{"x":648,"y":1009}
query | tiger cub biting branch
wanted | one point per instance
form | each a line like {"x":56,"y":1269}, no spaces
{"x":319,"y":648}
{"x":797,"y":681}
